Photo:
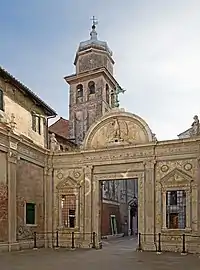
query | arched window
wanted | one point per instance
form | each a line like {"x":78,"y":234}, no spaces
{"x":91,"y":87}
{"x":107,"y":94}
{"x":79,"y":90}
{"x":61,"y":148}
{"x":112,"y":99}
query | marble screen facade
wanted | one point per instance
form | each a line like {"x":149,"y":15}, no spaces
{"x":167,"y":173}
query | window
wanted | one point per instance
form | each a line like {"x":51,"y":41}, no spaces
{"x":176,"y":209}
{"x":79,"y":90}
{"x":30,"y":213}
{"x":1,"y":100}
{"x":36,"y":123}
{"x":68,"y":210}
{"x":91,"y":87}
{"x":107,"y":94}
{"x":112,"y":99}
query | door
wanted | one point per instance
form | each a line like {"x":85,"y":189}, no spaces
{"x":113,"y":225}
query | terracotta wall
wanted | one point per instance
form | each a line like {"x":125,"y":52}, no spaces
{"x":30,"y":189}
{"x":3,"y":199}
{"x":107,"y":211}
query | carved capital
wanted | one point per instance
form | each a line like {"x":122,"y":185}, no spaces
{"x":88,"y":169}
{"x":149,"y":164}
{"x":13,"y":156}
{"x":48,"y":171}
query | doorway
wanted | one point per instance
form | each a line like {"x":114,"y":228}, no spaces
{"x":113,"y":224}
{"x":119,"y":207}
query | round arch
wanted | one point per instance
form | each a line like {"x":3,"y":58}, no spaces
{"x":117,"y":127}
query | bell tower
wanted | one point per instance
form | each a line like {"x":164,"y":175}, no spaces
{"x":93,"y":89}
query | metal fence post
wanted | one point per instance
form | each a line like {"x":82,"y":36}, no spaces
{"x":159,"y":243}
{"x":73,"y":244}
{"x":93,"y":240}
{"x":139,"y":242}
{"x":35,"y":240}
{"x":57,"y":244}
{"x":183,"y":247}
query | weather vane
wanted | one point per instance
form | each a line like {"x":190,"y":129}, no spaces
{"x":94,"y":21}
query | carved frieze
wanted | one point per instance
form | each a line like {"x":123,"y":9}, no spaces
{"x":104,"y":157}
{"x":31,"y":152}
{"x":176,"y":149}
{"x":124,"y":169}
{"x":113,"y":176}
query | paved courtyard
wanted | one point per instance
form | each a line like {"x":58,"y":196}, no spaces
{"x":116,"y":255}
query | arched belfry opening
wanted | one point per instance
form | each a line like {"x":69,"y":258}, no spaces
{"x":91,"y":87}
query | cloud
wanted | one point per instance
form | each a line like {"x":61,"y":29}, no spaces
{"x":155,"y":45}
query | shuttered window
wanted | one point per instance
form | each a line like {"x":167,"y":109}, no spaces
{"x":1,"y":100}
{"x":36,"y":123}
{"x":30,"y":213}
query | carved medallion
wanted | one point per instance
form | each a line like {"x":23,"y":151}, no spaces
{"x":60,"y":175}
{"x":76,"y":174}
{"x":188,"y":166}
{"x":164,"y":168}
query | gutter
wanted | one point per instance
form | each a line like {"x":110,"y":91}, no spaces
{"x":47,"y":129}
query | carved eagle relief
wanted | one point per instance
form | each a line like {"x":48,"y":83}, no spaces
{"x":117,"y":130}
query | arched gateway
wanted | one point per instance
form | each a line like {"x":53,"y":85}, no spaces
{"x":121,"y":146}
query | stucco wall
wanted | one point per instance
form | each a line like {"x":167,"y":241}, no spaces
{"x":23,"y":119}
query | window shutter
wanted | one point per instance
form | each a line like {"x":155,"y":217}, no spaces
{"x":1,"y":100}
{"x":39,"y":125}
{"x":30,"y":213}
{"x":33,"y":122}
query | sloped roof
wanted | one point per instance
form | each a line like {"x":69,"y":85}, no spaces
{"x":20,"y":86}
{"x":60,"y":127}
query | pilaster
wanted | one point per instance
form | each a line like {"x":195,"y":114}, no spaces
{"x":48,"y":172}
{"x":12,"y":158}
{"x":88,"y":183}
{"x":149,"y":205}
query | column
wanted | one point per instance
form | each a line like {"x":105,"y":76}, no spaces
{"x":12,"y":158}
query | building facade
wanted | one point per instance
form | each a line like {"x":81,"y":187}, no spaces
{"x":59,"y":130}
{"x":48,"y":190}
{"x":23,"y":130}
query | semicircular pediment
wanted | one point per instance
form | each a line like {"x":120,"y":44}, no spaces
{"x":117,"y":128}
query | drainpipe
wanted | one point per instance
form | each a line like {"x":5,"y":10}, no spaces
{"x":47,"y":129}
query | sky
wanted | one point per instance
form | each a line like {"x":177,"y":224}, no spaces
{"x":155,"y":44}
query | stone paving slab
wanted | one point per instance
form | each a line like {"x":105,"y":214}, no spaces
{"x":114,"y":257}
